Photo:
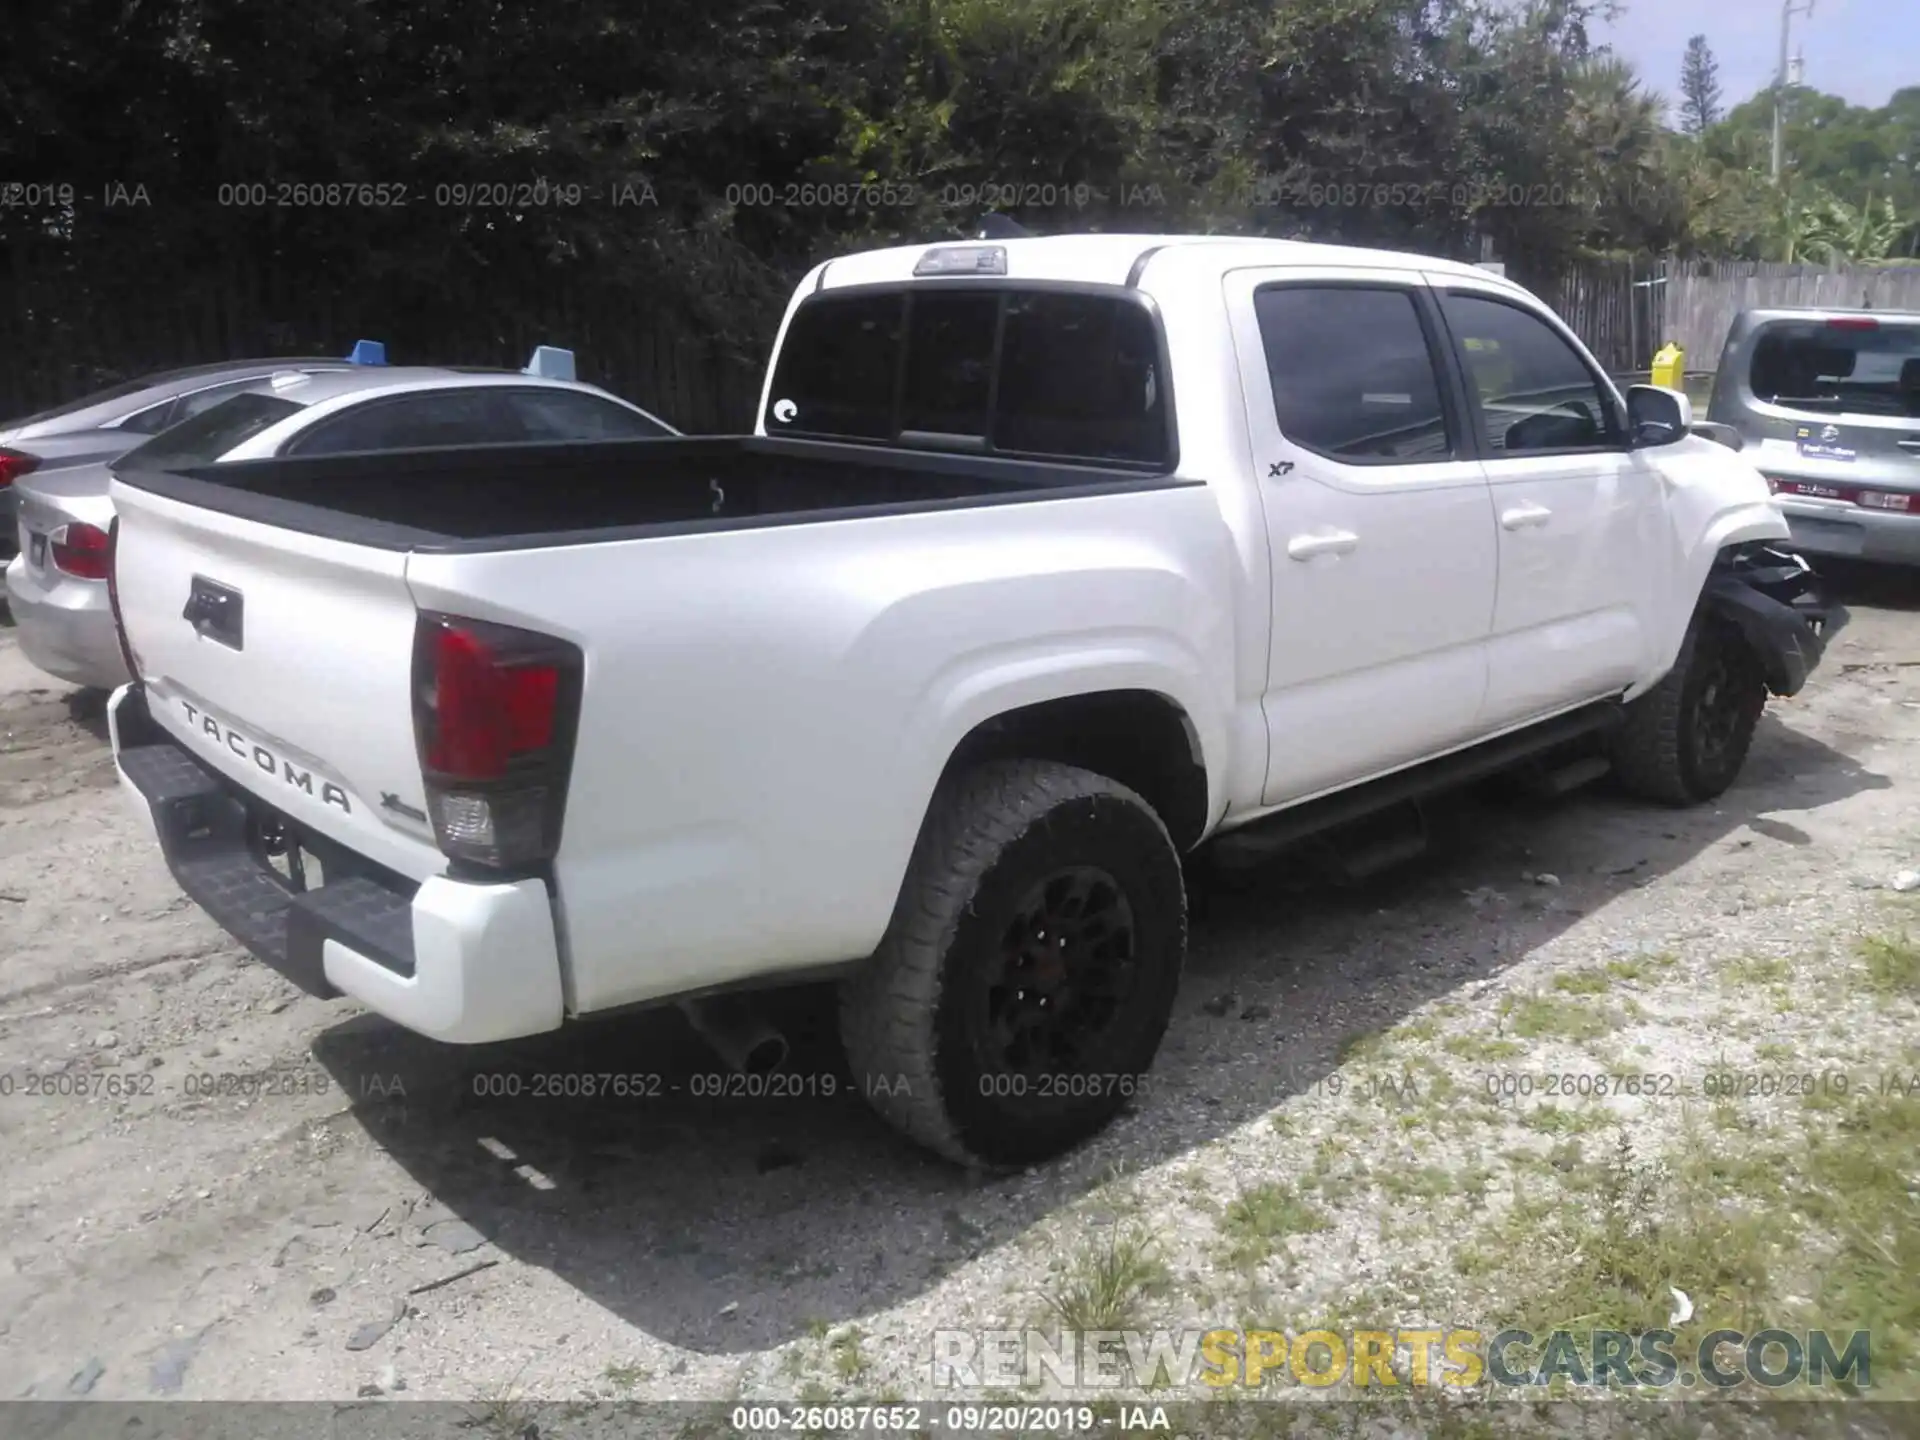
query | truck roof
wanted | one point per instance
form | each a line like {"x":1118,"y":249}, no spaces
{"x":1119,"y":259}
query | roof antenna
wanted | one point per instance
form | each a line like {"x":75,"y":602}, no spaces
{"x":995,"y":226}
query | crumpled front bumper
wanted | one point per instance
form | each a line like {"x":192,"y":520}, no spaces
{"x":1782,"y":607}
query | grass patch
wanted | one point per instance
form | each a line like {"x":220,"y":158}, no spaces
{"x":1892,"y":965}
{"x":1550,"y":1119}
{"x":1859,"y":1168}
{"x":1482,"y":1049}
{"x":1635,"y":1235}
{"x":1583,"y":982}
{"x":1433,"y":1182}
{"x":1536,"y":1017}
{"x":1106,"y":1283}
{"x":1812,"y":1224}
{"x":848,"y":1363}
{"x":1756,"y":970}
{"x":1263,"y":1218}
{"x":1361,"y":1045}
{"x":1642,"y":967}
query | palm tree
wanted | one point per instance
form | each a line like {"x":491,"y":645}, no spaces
{"x":1614,"y":124}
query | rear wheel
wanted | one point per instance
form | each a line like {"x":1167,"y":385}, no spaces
{"x":1025,"y":983}
{"x":1685,"y":740}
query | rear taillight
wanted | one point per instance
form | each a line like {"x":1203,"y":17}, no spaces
{"x":494,"y":714}
{"x":113,"y":598}
{"x":13,"y":465}
{"x":1885,"y":500}
{"x":80,"y":550}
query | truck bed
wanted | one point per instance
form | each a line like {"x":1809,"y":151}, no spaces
{"x":495,"y":497}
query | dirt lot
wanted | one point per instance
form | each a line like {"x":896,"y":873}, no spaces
{"x":221,"y":1188}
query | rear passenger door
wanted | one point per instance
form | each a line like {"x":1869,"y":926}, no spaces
{"x":1578,"y":511}
{"x":1379,"y":527}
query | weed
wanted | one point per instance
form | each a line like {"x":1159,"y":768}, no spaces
{"x":1105,"y":1283}
{"x":1262,"y":1218}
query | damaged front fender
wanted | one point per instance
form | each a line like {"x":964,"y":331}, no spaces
{"x":1782,"y":608}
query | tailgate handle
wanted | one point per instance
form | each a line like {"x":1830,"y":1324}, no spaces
{"x":215,"y":612}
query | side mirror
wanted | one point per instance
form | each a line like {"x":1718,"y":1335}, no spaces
{"x":1657,"y":415}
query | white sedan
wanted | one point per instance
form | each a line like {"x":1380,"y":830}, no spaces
{"x":56,"y":585}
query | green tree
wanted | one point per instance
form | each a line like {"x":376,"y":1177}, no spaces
{"x":1699,"y":88}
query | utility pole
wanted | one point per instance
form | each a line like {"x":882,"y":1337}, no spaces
{"x":1788,"y":9}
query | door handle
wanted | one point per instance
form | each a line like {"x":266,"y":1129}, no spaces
{"x":1523,"y":517}
{"x":1913,"y":444}
{"x":1337,"y":542}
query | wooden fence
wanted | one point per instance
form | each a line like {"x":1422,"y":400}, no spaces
{"x":1624,"y":310}
{"x":1703,"y":297}
{"x":1612,"y":305}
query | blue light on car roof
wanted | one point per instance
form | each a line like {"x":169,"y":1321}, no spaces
{"x":550,"y":362}
{"x":368,"y":352}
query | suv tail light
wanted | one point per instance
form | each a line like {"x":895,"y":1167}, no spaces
{"x":495,"y":709}
{"x":80,"y":550}
{"x":13,"y":465}
{"x":113,"y":599}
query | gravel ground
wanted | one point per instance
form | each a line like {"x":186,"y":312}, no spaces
{"x":223,"y":1189}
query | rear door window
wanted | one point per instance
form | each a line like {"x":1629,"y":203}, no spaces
{"x":212,"y":433}
{"x":1048,"y":374}
{"x":480,"y":415}
{"x":1858,"y":366}
{"x":1353,"y":373}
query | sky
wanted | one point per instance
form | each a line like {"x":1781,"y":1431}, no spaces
{"x":1861,"y":50}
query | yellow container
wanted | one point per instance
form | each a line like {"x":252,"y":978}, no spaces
{"x":1669,"y":366}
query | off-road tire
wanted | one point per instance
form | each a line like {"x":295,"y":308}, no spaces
{"x":992,"y":834}
{"x":1663,"y":751}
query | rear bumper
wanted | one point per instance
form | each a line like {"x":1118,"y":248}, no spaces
{"x":458,"y":961}
{"x":66,"y":629}
{"x":1852,"y":530}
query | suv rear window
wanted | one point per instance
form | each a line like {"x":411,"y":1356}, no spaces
{"x":1047,"y":374}
{"x":212,"y":433}
{"x":1865,"y":367}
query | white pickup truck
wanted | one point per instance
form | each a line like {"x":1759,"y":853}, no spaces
{"x":1050,"y":561}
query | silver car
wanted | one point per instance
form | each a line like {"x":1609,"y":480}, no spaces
{"x":110,"y":422}
{"x":1828,"y":402}
{"x":57,"y":583}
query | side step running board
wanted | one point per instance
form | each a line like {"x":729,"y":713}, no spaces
{"x":1261,"y":839}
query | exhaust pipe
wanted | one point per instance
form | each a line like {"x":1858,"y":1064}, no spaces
{"x":738,"y":1034}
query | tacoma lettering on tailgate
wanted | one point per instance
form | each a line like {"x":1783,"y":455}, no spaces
{"x":330,"y":794}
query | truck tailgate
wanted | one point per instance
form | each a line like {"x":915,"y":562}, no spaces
{"x":284,"y":661}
